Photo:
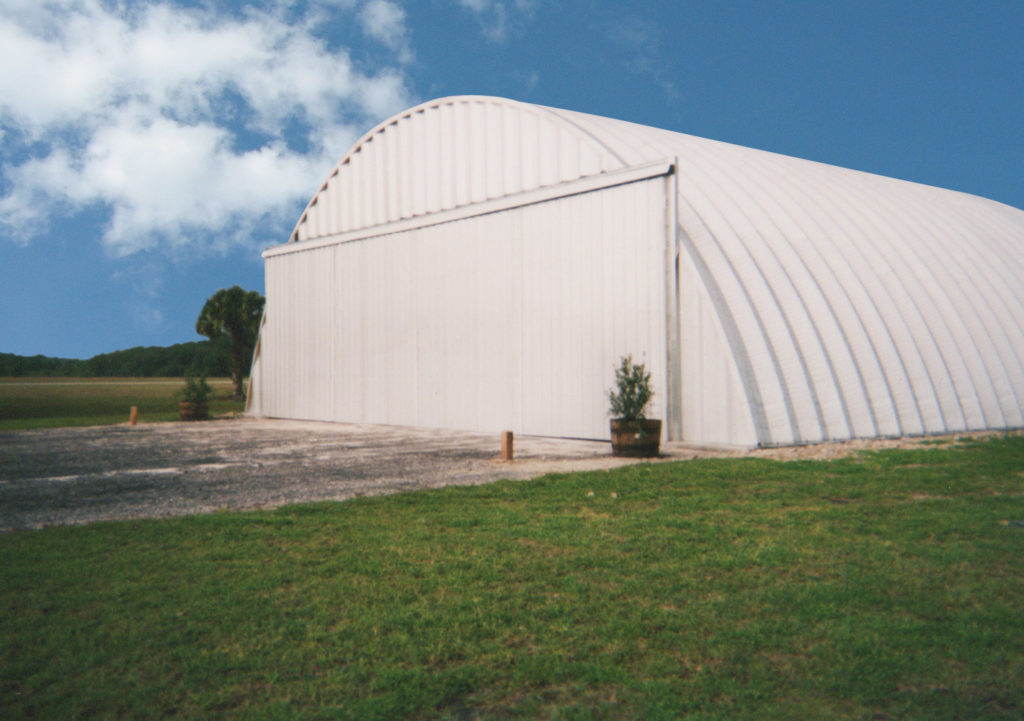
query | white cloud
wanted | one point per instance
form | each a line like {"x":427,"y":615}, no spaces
{"x":185,"y":126}
{"x":164,"y":181}
{"x":385,"y":21}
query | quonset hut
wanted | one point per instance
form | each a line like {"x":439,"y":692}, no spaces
{"x":479,"y":263}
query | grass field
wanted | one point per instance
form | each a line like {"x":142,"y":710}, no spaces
{"x":883,"y":586}
{"x":54,"y":402}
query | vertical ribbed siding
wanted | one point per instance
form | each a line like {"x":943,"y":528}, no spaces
{"x":512,"y":320}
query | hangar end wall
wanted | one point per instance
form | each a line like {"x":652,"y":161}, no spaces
{"x":507,"y":320}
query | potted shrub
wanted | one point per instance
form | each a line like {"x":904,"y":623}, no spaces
{"x":633,"y":434}
{"x":193,"y":399}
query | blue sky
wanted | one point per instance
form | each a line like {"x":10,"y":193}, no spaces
{"x":149,"y":151}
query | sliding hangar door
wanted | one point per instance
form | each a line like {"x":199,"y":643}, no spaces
{"x":511,"y":320}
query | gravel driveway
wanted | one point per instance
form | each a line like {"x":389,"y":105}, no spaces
{"x":79,"y":475}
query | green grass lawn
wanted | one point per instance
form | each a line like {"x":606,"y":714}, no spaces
{"x":885,"y":586}
{"x":54,"y":402}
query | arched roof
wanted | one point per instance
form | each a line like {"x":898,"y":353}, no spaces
{"x":450,"y":153}
{"x":854,"y":304}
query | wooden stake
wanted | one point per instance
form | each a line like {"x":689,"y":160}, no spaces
{"x":134,"y":416}
{"x":506,"y":445}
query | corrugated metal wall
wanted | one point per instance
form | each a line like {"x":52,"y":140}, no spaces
{"x":715,"y":407}
{"x":863,"y":306}
{"x":512,"y":320}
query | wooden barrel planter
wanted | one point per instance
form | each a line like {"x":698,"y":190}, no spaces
{"x":193,"y":410}
{"x":636,"y":439}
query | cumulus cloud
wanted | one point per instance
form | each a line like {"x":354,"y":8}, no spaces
{"x":184,"y":126}
{"x":385,"y":21}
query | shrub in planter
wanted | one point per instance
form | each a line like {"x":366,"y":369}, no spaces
{"x":633,"y":434}
{"x":193,"y":399}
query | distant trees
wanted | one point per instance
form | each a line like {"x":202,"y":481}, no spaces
{"x":233,"y":313}
{"x":37,"y":365}
{"x":211,"y":359}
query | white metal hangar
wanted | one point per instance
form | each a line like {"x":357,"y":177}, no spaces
{"x":479,"y":263}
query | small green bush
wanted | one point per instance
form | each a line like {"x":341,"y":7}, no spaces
{"x":632,"y":391}
{"x":196,"y":390}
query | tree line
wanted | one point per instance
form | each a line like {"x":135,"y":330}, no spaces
{"x":208,"y":358}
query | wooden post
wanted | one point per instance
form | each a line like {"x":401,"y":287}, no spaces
{"x":506,"y":445}
{"x":134,"y":416}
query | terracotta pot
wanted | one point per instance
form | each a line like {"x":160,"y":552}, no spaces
{"x":636,"y":439}
{"x":193,"y":411}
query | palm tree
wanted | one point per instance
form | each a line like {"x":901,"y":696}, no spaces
{"x":233,"y":312}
